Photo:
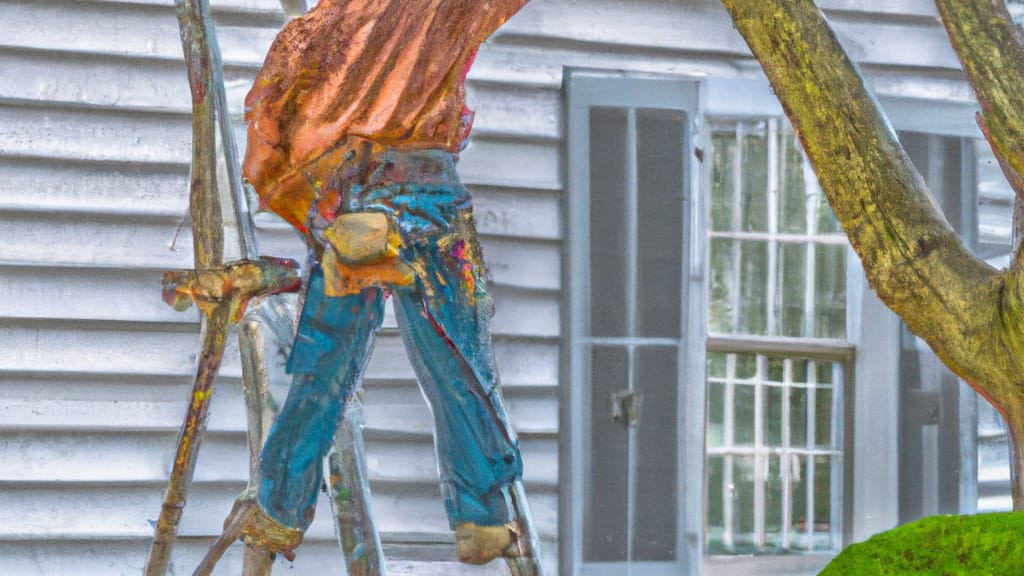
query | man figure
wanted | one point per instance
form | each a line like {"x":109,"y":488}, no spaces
{"x":354,"y":124}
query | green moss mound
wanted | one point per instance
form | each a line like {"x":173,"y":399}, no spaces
{"x":980,"y":545}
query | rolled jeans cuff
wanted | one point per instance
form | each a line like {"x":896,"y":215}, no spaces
{"x":492,"y":509}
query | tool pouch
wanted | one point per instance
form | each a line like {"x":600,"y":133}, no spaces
{"x":363,"y":252}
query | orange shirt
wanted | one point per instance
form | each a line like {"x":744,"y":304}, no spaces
{"x":392,"y":71}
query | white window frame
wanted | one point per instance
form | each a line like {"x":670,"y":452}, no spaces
{"x":751,"y":99}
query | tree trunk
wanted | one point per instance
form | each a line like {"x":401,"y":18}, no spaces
{"x":970,"y":314}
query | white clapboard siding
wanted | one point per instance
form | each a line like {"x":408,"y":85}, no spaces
{"x":94,"y":369}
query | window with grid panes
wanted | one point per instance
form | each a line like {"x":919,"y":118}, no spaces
{"x":777,"y":279}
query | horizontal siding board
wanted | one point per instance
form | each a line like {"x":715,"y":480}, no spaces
{"x":28,"y":185}
{"x":525,"y":63}
{"x":63,"y":349}
{"x":97,"y":135}
{"x":106,"y":294}
{"x":115,"y":457}
{"x":111,"y":241}
{"x":881,"y":9}
{"x":122,"y":457}
{"x":126,"y":139}
{"x":604,"y":22}
{"x":101,"y":241}
{"x":523,"y":264}
{"x":528,"y":165}
{"x":531,"y":413}
{"x":30,"y":346}
{"x":908,"y":45}
{"x":90,"y":80}
{"x":120,"y":30}
{"x":244,"y":6}
{"x":517,"y":213}
{"x":315,"y":558}
{"x":516,"y":111}
{"x":133,"y":295}
{"x":59,"y":512}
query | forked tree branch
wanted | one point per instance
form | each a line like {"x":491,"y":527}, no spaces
{"x":913,"y":258}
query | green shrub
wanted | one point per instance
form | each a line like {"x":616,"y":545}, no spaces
{"x":980,"y":545}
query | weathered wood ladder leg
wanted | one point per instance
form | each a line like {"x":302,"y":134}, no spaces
{"x":220,"y":312}
{"x":220,"y":291}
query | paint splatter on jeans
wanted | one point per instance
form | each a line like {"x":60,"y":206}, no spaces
{"x":444,"y":317}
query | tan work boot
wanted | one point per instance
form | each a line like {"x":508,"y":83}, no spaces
{"x":249,"y":522}
{"x":476,"y":544}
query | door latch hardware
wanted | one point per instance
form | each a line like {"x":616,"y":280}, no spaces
{"x":626,"y":408}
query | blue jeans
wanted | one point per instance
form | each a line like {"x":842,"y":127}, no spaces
{"x":444,"y":319}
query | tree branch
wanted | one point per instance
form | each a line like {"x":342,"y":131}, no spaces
{"x":991,"y":50}
{"x":912,"y":257}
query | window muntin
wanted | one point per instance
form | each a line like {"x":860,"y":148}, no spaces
{"x":777,"y":273}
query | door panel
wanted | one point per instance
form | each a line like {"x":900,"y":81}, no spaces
{"x":629,"y":283}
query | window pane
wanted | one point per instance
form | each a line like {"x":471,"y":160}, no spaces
{"x":716,"y":413}
{"x":753,"y":282}
{"x":777,"y":369}
{"x":773,"y":506}
{"x":743,"y":433}
{"x":722,"y":295}
{"x":802,"y":294}
{"x":754,"y":186}
{"x":660,"y":222}
{"x":823,"y":418}
{"x":657,"y":456}
{"x":792,"y":189}
{"x":607,"y":505}
{"x":799,"y":368}
{"x":716,"y":364}
{"x":608,"y":185}
{"x":798,"y":417}
{"x":774,"y":398}
{"x":823,"y":503}
{"x":798,"y":503}
{"x":715,"y":506}
{"x":793,"y":295}
{"x":830,"y":291}
{"x":743,"y":502}
{"x":746,"y":366}
{"x":827,"y":221}
{"x":825,"y":371}
{"x":723,"y":185}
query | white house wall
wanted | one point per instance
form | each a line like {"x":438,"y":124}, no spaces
{"x":95,"y":369}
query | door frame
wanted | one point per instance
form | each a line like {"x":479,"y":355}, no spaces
{"x":583,"y":90}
